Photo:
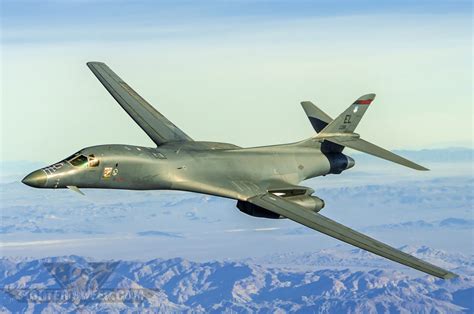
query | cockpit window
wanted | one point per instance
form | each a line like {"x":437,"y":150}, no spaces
{"x":78,"y":161}
{"x":93,"y":161}
{"x":72,"y":156}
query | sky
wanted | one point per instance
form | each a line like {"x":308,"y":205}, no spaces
{"x":234,"y":71}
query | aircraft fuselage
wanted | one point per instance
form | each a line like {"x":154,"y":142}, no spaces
{"x":188,"y":166}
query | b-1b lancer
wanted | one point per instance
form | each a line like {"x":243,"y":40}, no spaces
{"x":264,"y":180}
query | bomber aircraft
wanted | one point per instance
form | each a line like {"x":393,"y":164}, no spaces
{"x":264,"y":180}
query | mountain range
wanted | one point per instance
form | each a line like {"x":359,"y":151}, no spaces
{"x":178,"y":285}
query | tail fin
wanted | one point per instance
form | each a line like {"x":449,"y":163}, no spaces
{"x":336,"y":134}
{"x":347,"y":121}
{"x":318,"y":118}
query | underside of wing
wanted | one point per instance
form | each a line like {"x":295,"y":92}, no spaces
{"x":327,"y":226}
{"x":155,"y":125}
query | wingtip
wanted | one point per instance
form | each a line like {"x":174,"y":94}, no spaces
{"x":91,"y":63}
{"x":450,"y":275}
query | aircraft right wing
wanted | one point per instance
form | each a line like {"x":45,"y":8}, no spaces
{"x":333,"y":229}
{"x":155,"y":125}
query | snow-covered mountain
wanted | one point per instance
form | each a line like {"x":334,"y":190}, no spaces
{"x":178,"y":285}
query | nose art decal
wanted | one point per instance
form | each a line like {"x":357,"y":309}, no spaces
{"x":107,"y":172}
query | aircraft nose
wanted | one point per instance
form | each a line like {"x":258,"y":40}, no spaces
{"x":36,"y":179}
{"x":350,"y":162}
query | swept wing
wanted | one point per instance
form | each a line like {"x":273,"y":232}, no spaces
{"x":336,"y":230}
{"x":155,"y":125}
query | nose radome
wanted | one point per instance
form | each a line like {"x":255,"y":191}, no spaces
{"x":36,"y":179}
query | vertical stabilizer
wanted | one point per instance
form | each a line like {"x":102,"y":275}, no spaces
{"x":347,"y":121}
{"x":318,"y":118}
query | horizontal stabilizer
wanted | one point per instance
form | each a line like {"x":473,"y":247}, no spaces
{"x":369,"y":148}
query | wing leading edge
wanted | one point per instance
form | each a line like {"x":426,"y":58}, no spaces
{"x":333,"y":229}
{"x":155,"y":125}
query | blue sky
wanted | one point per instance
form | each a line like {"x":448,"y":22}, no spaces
{"x":62,"y":15}
{"x":17,"y":13}
{"x":235,"y":71}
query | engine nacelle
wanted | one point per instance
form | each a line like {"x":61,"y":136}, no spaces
{"x":339,"y":162}
{"x":309,"y":202}
{"x":256,"y":211}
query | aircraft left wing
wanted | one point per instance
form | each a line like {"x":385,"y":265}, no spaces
{"x":333,"y":229}
{"x":155,"y":125}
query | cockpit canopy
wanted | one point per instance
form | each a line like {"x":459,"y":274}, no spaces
{"x":80,"y":160}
